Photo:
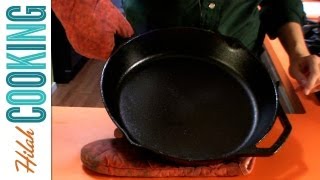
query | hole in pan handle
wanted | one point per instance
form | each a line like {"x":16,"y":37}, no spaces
{"x":255,"y":151}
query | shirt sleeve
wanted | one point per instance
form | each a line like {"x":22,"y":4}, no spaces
{"x":275,"y":13}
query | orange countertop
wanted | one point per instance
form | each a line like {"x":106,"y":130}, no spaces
{"x":74,"y":127}
{"x":298,"y":159}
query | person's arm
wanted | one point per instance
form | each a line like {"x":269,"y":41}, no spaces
{"x":283,"y":19}
{"x":304,"y":67}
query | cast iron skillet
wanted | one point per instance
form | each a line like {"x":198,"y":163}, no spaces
{"x":191,"y":95}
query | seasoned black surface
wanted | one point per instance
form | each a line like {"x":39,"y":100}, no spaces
{"x":186,"y":107}
{"x":189,"y":94}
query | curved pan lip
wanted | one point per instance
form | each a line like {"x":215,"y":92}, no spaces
{"x":233,"y":40}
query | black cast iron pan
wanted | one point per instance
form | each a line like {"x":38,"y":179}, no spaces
{"x":191,"y":95}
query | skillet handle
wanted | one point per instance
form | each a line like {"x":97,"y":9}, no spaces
{"x":254,"y":151}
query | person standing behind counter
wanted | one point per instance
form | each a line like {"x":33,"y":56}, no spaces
{"x":240,"y":19}
{"x":91,"y":26}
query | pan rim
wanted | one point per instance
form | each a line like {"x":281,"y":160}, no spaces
{"x":142,"y":35}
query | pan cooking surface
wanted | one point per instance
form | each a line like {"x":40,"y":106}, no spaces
{"x":186,"y":107}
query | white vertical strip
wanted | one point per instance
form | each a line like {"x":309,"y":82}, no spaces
{"x":25,"y":90}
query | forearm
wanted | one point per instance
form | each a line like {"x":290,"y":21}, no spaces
{"x":292,"y":39}
{"x":304,"y":67}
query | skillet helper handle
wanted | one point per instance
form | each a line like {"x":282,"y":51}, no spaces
{"x":255,"y":151}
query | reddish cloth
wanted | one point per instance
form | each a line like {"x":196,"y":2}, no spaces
{"x":116,"y":157}
{"x":90,"y":25}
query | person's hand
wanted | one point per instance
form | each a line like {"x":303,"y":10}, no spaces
{"x":306,"y":70}
{"x":91,"y":25}
{"x":112,"y":20}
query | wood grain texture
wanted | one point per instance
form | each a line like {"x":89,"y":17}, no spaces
{"x":83,"y":90}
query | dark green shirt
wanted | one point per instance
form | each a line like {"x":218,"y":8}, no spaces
{"x":240,"y":19}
